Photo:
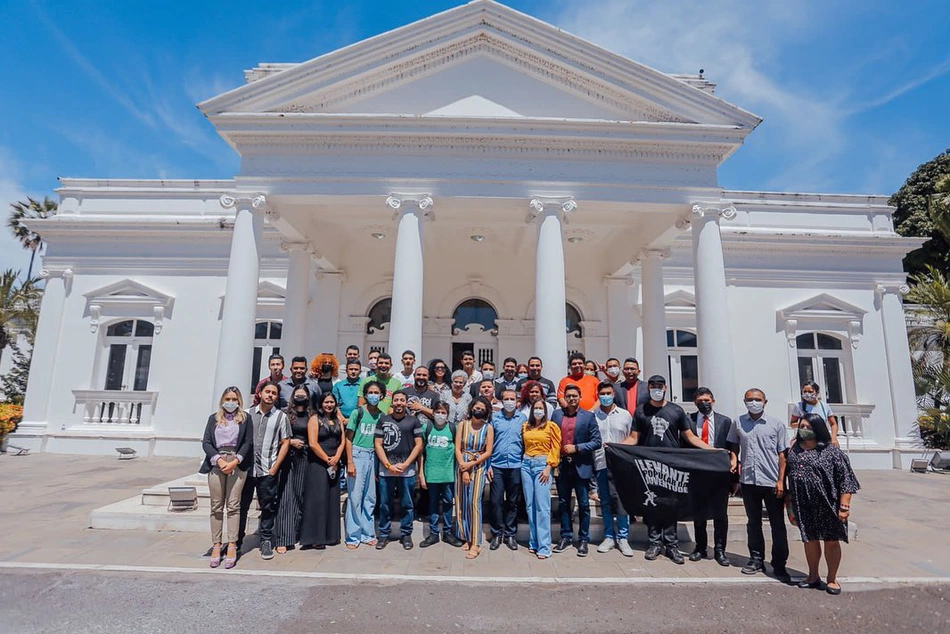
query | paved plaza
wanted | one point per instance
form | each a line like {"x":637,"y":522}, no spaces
{"x":46,"y":501}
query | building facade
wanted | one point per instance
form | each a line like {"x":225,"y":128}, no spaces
{"x":476,"y":180}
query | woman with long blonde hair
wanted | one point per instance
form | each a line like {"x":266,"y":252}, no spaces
{"x":229,"y":451}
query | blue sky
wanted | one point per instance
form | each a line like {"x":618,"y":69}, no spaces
{"x":855,"y":93}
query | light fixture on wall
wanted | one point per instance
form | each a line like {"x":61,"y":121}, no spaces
{"x":379,"y":235}
{"x":478,"y":237}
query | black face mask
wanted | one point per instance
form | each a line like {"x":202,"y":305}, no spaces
{"x":704,"y":407}
{"x":479,"y":414}
{"x":326,"y":368}
{"x":301,"y":400}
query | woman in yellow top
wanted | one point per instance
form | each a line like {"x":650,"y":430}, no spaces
{"x":542,"y":454}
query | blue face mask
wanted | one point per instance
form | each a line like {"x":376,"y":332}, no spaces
{"x":522,"y":376}
{"x":373,"y":399}
{"x":606,"y":400}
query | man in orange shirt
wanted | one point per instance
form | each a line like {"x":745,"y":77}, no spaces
{"x":587,"y":384}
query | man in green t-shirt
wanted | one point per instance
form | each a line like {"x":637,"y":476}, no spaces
{"x":387,"y":381}
{"x":437,"y":476}
{"x":361,"y":465}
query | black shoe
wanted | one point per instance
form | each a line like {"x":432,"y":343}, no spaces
{"x":582,"y":548}
{"x":511,"y":543}
{"x":452,"y":540}
{"x":267,"y":551}
{"x":753,"y":567}
{"x":381,"y":543}
{"x":563,"y":544}
{"x":834,"y":591}
{"x":698,"y":554}
{"x":406,"y":541}
{"x":817,"y":584}
{"x":782,"y":574}
{"x":721,"y":558}
{"x":431,"y":540}
{"x":495,"y":542}
{"x":652,"y":553}
{"x":675,"y":555}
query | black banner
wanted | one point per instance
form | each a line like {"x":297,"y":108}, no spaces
{"x":667,"y":485}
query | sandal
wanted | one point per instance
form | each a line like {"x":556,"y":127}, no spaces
{"x":352,"y":546}
{"x":473,"y":552}
{"x":216,"y":555}
{"x":231,"y":560}
{"x":466,"y":546}
{"x":543,"y":556}
{"x":372,"y":542}
{"x":281,"y":550}
{"x":817,"y":584}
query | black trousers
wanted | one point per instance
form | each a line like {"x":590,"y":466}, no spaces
{"x":505,"y":496}
{"x":720,"y":513}
{"x":268,"y":494}
{"x":753,"y":497}
{"x":663,"y":535}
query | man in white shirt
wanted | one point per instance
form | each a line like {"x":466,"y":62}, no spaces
{"x":614,"y":424}
{"x":407,"y":376}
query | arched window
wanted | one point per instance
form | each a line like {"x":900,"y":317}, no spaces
{"x":474,"y":311}
{"x":129,"y":346}
{"x":266,"y":342}
{"x":822,"y":358}
{"x":379,"y":315}
{"x":573,"y":320}
{"x":683,"y":364}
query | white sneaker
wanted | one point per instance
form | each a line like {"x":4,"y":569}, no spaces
{"x":624,"y":547}
{"x":607,"y":545}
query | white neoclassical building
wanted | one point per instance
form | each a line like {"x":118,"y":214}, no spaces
{"x":478,"y":179}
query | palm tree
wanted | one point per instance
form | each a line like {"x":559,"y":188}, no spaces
{"x":17,"y":304}
{"x":22,"y":213}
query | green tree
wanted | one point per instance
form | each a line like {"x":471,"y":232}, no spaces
{"x":18,"y":301}
{"x":13,"y":383}
{"x":21,"y":214}
{"x":915,"y":215}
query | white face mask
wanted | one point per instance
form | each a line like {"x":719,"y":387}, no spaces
{"x":488,"y":374}
{"x":809,"y":397}
{"x":657,"y":394}
{"x":230,"y":406}
{"x":440,"y":418}
{"x":613,"y":372}
{"x":509,"y":404}
{"x":539,"y":414}
{"x":755,"y":407}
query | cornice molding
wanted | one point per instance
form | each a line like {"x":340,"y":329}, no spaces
{"x":542,"y":206}
{"x":402,"y":204}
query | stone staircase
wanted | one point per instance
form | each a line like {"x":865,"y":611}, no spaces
{"x":149,"y":511}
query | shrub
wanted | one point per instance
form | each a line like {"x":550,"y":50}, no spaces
{"x":935,"y":429}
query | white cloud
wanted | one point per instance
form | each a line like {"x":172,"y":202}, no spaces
{"x":12,"y":255}
{"x":740,"y":45}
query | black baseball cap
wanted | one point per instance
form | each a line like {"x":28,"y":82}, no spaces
{"x":659,"y":379}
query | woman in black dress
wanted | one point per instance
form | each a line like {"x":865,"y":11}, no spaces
{"x":819,"y":489}
{"x":293,"y":472}
{"x":321,"y":507}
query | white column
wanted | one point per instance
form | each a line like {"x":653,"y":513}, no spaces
{"x":621,"y":330}
{"x":716,"y":365}
{"x":329,"y":286}
{"x":292,"y":340}
{"x":408,"y":274}
{"x":236,"y":344}
{"x":653,"y":307}
{"x":43,"y":364}
{"x":550,"y":296}
{"x":899,"y":375}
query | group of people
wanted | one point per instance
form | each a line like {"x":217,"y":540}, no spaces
{"x":429,"y":438}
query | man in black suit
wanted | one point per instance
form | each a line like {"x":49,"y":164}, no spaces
{"x":713,"y":429}
{"x":580,"y":437}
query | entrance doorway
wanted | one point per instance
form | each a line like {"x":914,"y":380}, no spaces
{"x":483,"y":352}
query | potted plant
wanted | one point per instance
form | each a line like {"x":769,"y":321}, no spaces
{"x":10,"y":417}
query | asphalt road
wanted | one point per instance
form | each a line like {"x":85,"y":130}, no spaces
{"x":96,"y":602}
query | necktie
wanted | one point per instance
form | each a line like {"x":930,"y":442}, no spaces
{"x":705,"y":429}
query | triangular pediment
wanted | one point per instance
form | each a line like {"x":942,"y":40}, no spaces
{"x":680,"y":299}
{"x":271,"y":291}
{"x":128,"y":292}
{"x":478,"y":60}
{"x":823,"y":306}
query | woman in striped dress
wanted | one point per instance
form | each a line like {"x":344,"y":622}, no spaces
{"x":293,"y":472}
{"x":473,"y":447}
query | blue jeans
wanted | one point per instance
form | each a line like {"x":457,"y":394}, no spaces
{"x":441,"y":492}
{"x":537,"y":497}
{"x":609,"y":504}
{"x":404,"y":488}
{"x":362,"y":499}
{"x":567,"y":482}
